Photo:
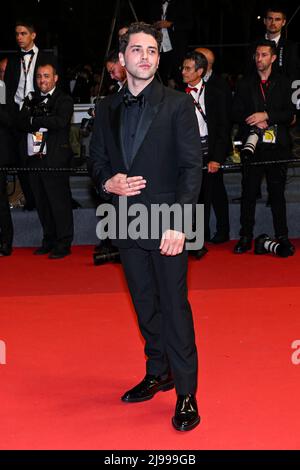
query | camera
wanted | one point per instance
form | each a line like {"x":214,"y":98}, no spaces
{"x":251,"y":143}
{"x":104,"y":253}
{"x":35,"y":106}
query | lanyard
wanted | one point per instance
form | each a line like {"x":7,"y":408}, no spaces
{"x":26,"y":71}
{"x":198,"y":105}
{"x":263,"y":91}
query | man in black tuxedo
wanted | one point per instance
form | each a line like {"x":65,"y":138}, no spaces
{"x":263,"y":106}
{"x":45,"y":122}
{"x":210,"y":108}
{"x":145,"y":147}
{"x":174,"y":18}
{"x":6,"y":159}
{"x":20,"y":80}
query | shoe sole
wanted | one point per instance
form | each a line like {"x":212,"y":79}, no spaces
{"x":163,"y":388}
{"x":186,"y":428}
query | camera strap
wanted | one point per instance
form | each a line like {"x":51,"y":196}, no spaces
{"x":26,"y":71}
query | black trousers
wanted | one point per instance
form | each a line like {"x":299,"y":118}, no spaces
{"x":276,"y":178}
{"x":54,"y":206}
{"x":213,"y":194}
{"x":157,"y":285}
{"x":6,"y":226}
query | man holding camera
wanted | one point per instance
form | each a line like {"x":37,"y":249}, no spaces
{"x":263,"y":108}
{"x":45,"y":120}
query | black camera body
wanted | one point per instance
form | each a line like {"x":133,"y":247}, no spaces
{"x":36,"y":107}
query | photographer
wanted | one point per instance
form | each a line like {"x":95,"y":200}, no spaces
{"x":263,"y":109}
{"x":45,"y":121}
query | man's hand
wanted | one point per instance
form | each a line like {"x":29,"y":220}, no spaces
{"x":172,"y":243}
{"x":122,"y":185}
{"x":256,"y":118}
{"x":213,"y":167}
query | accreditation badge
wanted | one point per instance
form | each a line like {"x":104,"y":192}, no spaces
{"x":270,"y":135}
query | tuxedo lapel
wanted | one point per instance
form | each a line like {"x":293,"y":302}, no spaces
{"x":152,"y":107}
{"x":116,"y":121}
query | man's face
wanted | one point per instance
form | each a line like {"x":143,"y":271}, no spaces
{"x":141,"y":57}
{"x":46,"y":78}
{"x":25,"y":39}
{"x":274,"y":22}
{"x":189,"y":73}
{"x":116,"y":71}
{"x":263,"y":58}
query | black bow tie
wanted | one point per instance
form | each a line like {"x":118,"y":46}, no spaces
{"x":24,"y":53}
{"x":129,"y":99}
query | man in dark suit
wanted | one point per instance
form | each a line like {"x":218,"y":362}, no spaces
{"x":145,"y":147}
{"x":20,"y":80}
{"x":6,"y":159}
{"x":45,"y":122}
{"x":263,"y":107}
{"x":210,"y":109}
{"x":174,"y":18}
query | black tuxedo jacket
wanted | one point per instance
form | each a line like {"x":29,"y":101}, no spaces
{"x":58,"y":124}
{"x":218,"y":121}
{"x":13,"y":72}
{"x":6,"y":143}
{"x":166,"y":150}
{"x":249,"y":99}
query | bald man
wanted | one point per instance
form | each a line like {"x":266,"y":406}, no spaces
{"x":213,"y":191}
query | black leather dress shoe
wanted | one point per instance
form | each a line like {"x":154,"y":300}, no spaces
{"x":219,"y":238}
{"x":5,"y":249}
{"x":147,"y":388}
{"x":186,"y":415}
{"x":243,"y":245}
{"x":57,"y":253}
{"x":285,"y":242}
{"x":198,"y":254}
{"x":42,"y":250}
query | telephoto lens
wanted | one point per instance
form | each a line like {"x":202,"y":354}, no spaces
{"x":264,"y":244}
{"x":250,"y":144}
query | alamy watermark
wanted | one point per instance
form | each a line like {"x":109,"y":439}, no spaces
{"x":296,"y":93}
{"x":138,"y":221}
{"x":2,"y":353}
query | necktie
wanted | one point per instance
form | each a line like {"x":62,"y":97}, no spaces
{"x":129,"y":99}
{"x":44,"y":97}
{"x":24,"y":53}
{"x":189,"y":89}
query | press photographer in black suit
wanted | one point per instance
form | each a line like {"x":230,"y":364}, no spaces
{"x":20,"y":79}
{"x":45,"y":121}
{"x":145,"y":146}
{"x":263,"y":109}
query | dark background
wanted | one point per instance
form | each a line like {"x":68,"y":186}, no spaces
{"x":79,"y":29}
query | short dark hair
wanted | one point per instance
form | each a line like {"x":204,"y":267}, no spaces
{"x":139,"y":27}
{"x":267,"y":43}
{"x":199,"y":59}
{"x":27,"y":24}
{"x":112,"y":56}
{"x":48,"y":63}
{"x":277,"y":9}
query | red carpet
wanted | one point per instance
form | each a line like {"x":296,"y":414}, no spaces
{"x":73,"y":349}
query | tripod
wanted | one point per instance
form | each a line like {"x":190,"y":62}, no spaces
{"x":112,"y":29}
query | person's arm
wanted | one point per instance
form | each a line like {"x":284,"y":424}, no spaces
{"x":58,"y":120}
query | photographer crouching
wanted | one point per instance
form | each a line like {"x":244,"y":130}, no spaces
{"x":263,"y":109}
{"x":45,"y":122}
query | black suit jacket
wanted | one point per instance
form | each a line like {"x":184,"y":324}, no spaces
{"x":249,"y":99}
{"x":13,"y":72}
{"x":6,"y":144}
{"x":58,"y":124}
{"x":217,"y":110}
{"x":166,"y":150}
